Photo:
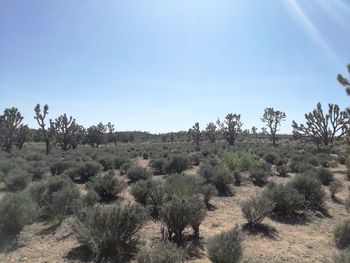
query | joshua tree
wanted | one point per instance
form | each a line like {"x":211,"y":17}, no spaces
{"x":40,"y":117}
{"x":273,"y":119}
{"x":22,"y":135}
{"x":196,"y":134}
{"x":231,"y":127}
{"x":65,"y":131}
{"x":111,"y":134}
{"x":321,"y":128}
{"x":254,"y":131}
{"x":210,"y":131}
{"x":95,"y":135}
{"x":9,"y":124}
{"x":345,"y":82}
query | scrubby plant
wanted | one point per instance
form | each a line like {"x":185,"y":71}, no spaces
{"x":347,"y":203}
{"x":218,"y":176}
{"x":55,"y":197}
{"x":342,"y":257}
{"x":259,"y":176}
{"x":16,"y":180}
{"x":324,"y":175}
{"x":342,"y":234}
{"x":311,"y":188}
{"x":179,"y":213}
{"x":183,"y":186}
{"x":111,"y":233}
{"x":16,"y":211}
{"x":271,"y":157}
{"x":37,"y":170}
{"x":107,"y":186}
{"x":287,"y":200}
{"x":334,"y":187}
{"x":85,"y":171}
{"x":160,"y":252}
{"x":256,"y":208}
{"x":120,"y":160}
{"x":141,"y":189}
{"x":107,"y":162}
{"x":156,"y":197}
{"x":299,"y":166}
{"x":158,"y":165}
{"x":226,"y":247}
{"x":58,"y":167}
{"x":208,"y":191}
{"x":176,"y":164}
{"x":135,"y":173}
{"x":88,"y":200}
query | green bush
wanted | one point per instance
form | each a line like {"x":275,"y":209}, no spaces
{"x":256,"y":208}
{"x":141,"y":189}
{"x":324,"y":159}
{"x":272,"y":157}
{"x":176,"y":164}
{"x":135,"y":173}
{"x":235,"y":162}
{"x":16,"y":211}
{"x":183,"y":186}
{"x":287,"y":200}
{"x":161,"y":252}
{"x":85,"y":171}
{"x":342,"y":257}
{"x":334,"y":187}
{"x":111,"y":233}
{"x":299,"y":166}
{"x":59,"y":167}
{"x":195,"y":158}
{"x":106,"y":162}
{"x":226,"y":247}
{"x":36,"y":170}
{"x":16,"y":180}
{"x":218,"y":176}
{"x":107,"y":186}
{"x":259,"y":176}
{"x":311,"y":188}
{"x":342,"y":234}
{"x":56,"y":197}
{"x":208,"y":191}
{"x":324,"y":175}
{"x":120,"y":160}
{"x":179,"y":213}
{"x":158,"y":165}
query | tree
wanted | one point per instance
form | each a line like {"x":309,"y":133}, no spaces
{"x":273,"y":119}
{"x":111,"y":135}
{"x":95,"y":135}
{"x":196,"y":134}
{"x":65,"y":131}
{"x":254,"y":131}
{"x":231,"y":127}
{"x":345,"y":82}
{"x":323,"y":128}
{"x":210,"y":131}
{"x":22,"y":135}
{"x":40,"y":118}
{"x":9,"y":124}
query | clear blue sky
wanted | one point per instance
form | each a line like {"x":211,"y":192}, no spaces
{"x":163,"y":65}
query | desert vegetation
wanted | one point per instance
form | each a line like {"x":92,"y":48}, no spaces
{"x":219,"y":194}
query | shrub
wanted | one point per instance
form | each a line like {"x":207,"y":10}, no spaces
{"x":272,"y":157}
{"x":324,"y":175}
{"x":314,"y":161}
{"x":56,"y":197}
{"x":342,"y":234}
{"x":120,"y":160}
{"x":282,"y":170}
{"x":235,"y":162}
{"x":59,"y":167}
{"x":106,"y":162}
{"x":16,"y":211}
{"x":161,"y":252}
{"x":226,"y":247}
{"x":141,"y":189}
{"x":136,"y":173}
{"x":88,"y":200}
{"x":342,"y":257}
{"x":85,"y":171}
{"x":311,"y":188}
{"x":299,"y":166}
{"x":36,"y":170}
{"x":16,"y":180}
{"x":256,"y":208}
{"x":347,"y":203}
{"x":145,"y":155}
{"x":208,"y":191}
{"x":155,"y":199}
{"x":125,"y":167}
{"x":158,"y":166}
{"x":107,"y":186}
{"x":334,"y":187}
{"x":111,"y":233}
{"x":259,"y":176}
{"x":323,"y":159}
{"x":195,"y":158}
{"x":219,"y":176}
{"x":176,"y":164}
{"x":180,"y":213}
{"x":341,"y":159}
{"x":183,"y":186}
{"x":287,"y":200}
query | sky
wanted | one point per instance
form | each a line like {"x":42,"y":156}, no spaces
{"x":161,"y":65}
